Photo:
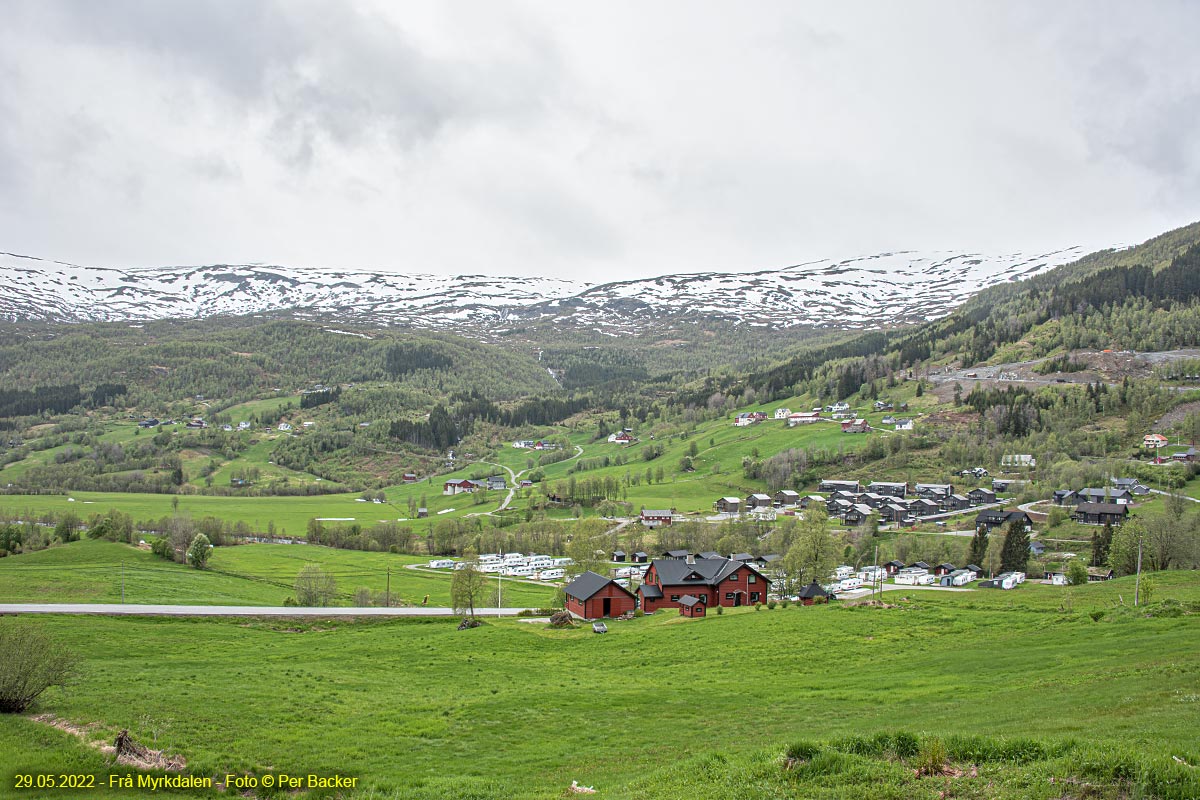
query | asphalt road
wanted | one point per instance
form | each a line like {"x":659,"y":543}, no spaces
{"x":126,"y":609}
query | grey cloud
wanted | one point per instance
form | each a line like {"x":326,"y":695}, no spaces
{"x":320,"y":72}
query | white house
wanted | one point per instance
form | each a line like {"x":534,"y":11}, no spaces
{"x":904,"y":424}
{"x":782,"y":413}
{"x":441,"y":563}
{"x":843,"y":572}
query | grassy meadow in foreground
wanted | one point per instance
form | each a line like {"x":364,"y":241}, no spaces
{"x":91,"y":571}
{"x":418,"y":709}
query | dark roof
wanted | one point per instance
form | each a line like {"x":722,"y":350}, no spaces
{"x":704,"y":572}
{"x":650,"y":592}
{"x":1102,"y":508}
{"x":676,"y":554}
{"x":641,"y":554}
{"x":920,"y":564}
{"x":894,"y":563}
{"x":618,"y":552}
{"x":770,"y":557}
{"x":688,"y":600}
{"x":974,"y":568}
{"x":588,"y":584}
{"x":813,"y":590}
{"x":742,"y":557}
{"x":944,"y":565}
{"x":709,"y":554}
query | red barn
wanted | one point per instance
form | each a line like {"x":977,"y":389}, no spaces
{"x":593,"y":596}
{"x":712,"y":581}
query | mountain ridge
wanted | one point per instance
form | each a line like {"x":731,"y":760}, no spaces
{"x":861,"y":293}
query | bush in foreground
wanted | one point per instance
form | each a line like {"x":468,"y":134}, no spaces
{"x":30,"y":663}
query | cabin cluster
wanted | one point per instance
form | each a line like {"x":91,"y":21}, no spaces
{"x":1102,"y":506}
{"x":850,"y":502}
{"x":459,"y":486}
{"x":540,"y":444}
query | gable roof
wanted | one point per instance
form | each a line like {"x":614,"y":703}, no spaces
{"x":688,"y":600}
{"x":1102,"y":508}
{"x":650,"y":591}
{"x":704,"y":572}
{"x":587,"y":584}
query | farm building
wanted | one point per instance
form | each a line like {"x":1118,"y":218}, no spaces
{"x":840,"y":486}
{"x":855,"y":426}
{"x":803,"y":418}
{"x":458,"y":486}
{"x":713,"y":581}
{"x":593,"y":596}
{"x":1154,"y":440}
{"x":655,"y":518}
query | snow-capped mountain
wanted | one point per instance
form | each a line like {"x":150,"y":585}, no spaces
{"x":859,"y":293}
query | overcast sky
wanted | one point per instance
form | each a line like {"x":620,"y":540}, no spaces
{"x":593,"y":141}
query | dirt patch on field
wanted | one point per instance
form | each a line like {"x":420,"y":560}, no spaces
{"x":124,"y":748}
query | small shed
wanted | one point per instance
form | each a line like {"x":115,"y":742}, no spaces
{"x":618,"y":556}
{"x":690,"y":606}
{"x":641,"y":557}
{"x":811,"y":593}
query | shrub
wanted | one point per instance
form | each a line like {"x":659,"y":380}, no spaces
{"x":639,"y":613}
{"x":770,"y":605}
{"x":758,"y":606}
{"x":32,"y":663}
{"x":720,"y":610}
{"x":785,"y":603}
{"x":932,"y":756}
{"x":802,"y":751}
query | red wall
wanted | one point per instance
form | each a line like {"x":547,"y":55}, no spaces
{"x":593,"y":607}
{"x":711,"y":595}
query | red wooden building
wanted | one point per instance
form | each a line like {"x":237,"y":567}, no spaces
{"x":593,"y":596}
{"x":690,"y":606}
{"x":712,"y":581}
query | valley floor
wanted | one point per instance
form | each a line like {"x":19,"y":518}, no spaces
{"x":417,"y":709}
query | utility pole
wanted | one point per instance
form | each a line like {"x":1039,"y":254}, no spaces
{"x":387,"y":595}
{"x":875,"y":576}
{"x":122,"y":581}
{"x":1137,"y":582}
{"x":499,"y":591}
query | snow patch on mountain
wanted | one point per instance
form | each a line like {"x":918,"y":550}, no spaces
{"x":859,"y":293}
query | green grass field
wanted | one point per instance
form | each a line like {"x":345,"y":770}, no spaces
{"x":257,"y":574}
{"x":417,"y":709}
